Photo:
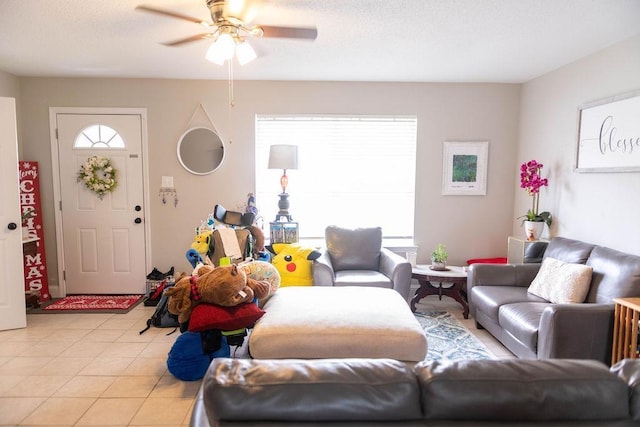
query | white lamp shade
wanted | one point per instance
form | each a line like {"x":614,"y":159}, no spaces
{"x":214,"y":55}
{"x":221,"y":50}
{"x":283,"y":156}
{"x":227,"y":45}
{"x":245,"y":53}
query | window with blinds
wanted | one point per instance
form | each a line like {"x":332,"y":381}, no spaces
{"x":353,"y":171}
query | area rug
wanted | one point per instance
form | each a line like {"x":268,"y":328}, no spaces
{"x":94,"y":304}
{"x":448,"y":339}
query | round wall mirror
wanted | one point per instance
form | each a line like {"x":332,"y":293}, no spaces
{"x":200,"y":151}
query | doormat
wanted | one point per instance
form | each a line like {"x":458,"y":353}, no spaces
{"x":448,"y":339}
{"x":94,"y":304}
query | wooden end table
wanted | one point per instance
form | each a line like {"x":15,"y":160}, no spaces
{"x":625,"y":329}
{"x":426,"y":277}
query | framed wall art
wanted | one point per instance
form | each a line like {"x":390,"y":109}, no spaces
{"x":464,"y":168}
{"x":609,"y":135}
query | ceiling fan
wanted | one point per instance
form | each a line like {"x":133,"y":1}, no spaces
{"x":229,"y":30}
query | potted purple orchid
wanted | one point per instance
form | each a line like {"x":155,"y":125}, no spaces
{"x":531,"y":181}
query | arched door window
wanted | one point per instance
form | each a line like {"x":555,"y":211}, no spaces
{"x":98,"y":136}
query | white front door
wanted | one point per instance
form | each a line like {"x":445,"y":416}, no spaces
{"x":12,"y":306}
{"x":103,"y":239}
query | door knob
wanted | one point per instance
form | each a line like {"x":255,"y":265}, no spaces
{"x":138,"y":208}
{"x":12,"y":226}
{"x":137,"y":220}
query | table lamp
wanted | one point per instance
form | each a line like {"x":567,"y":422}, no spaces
{"x":283,"y":156}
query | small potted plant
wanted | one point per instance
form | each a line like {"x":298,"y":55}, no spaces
{"x":439,"y":258}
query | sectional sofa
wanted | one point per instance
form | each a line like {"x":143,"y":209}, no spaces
{"x":385,"y":392}
{"x":534,"y":327}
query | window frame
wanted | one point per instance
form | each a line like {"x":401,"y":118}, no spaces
{"x":267,"y":200}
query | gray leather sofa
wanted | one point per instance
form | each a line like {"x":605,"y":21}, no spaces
{"x":532,"y":327}
{"x":385,"y":392}
{"x":355,"y":257}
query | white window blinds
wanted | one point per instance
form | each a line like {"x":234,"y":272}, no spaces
{"x":354,"y":171}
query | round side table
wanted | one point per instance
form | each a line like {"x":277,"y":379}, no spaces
{"x":428,"y":278}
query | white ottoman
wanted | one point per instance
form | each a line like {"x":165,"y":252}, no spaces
{"x":322,"y":322}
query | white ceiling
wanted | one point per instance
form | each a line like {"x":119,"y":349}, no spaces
{"x":358,"y":40}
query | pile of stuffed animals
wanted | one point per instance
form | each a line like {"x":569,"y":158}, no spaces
{"x":217,"y":305}
{"x":225,"y":286}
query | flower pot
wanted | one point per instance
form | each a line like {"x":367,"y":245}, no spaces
{"x":438,"y":265}
{"x":533,"y":230}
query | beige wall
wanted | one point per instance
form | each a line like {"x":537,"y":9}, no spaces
{"x":470,"y":226}
{"x":600,"y":208}
{"x":536,"y":120}
{"x":9,"y":85}
{"x":10,"y":88}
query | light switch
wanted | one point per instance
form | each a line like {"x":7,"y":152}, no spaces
{"x":167,"y":182}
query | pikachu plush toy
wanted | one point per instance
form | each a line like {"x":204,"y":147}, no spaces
{"x":294,"y":263}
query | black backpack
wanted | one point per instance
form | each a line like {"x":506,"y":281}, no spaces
{"x":161,"y":317}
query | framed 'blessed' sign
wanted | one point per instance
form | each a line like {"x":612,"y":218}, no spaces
{"x":609,"y":135}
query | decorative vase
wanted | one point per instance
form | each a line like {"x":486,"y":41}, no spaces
{"x":533,"y":230}
{"x":438,"y":265}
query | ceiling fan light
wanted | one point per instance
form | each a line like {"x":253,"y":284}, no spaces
{"x":227,"y":45}
{"x":214,"y":55}
{"x":221,"y":50}
{"x":245,"y":53}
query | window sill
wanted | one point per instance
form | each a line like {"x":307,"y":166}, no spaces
{"x":399,"y":246}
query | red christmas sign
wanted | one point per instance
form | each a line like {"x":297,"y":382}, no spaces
{"x":35,"y":266}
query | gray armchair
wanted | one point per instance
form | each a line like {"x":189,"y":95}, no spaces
{"x":357,"y":258}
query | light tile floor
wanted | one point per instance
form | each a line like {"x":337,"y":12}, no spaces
{"x":97,"y":370}
{"x":91,"y":370}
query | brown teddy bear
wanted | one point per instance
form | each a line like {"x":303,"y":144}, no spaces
{"x":226,"y":286}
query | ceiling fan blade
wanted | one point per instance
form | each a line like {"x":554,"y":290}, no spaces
{"x":188,"y":39}
{"x":289,"y":32}
{"x":169,"y":13}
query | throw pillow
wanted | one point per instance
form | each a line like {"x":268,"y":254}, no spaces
{"x":211,"y":316}
{"x":560,"y":282}
{"x":293,"y":263}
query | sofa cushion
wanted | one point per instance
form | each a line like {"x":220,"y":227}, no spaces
{"x":516,"y":390}
{"x":534,"y":251}
{"x":354,"y":249}
{"x":489,"y":299}
{"x":522,"y":321}
{"x":303,"y":390}
{"x":615,"y":275}
{"x":561,"y":282}
{"x":362,"y":278}
{"x":568,"y":250}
